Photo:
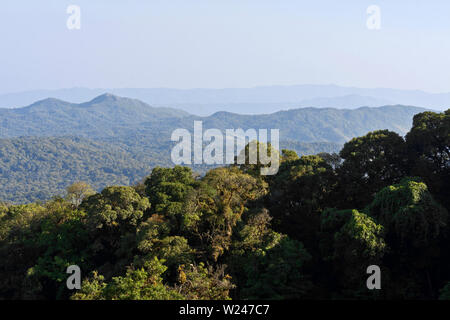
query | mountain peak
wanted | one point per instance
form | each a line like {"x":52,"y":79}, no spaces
{"x":46,"y":104}
{"x":105,"y":97}
{"x":49,"y":100}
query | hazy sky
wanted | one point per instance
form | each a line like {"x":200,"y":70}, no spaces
{"x":224,"y":43}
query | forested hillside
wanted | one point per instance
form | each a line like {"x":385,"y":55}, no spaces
{"x":121,"y":139}
{"x":104,"y":116}
{"x":39,"y":168}
{"x":308,"y":232}
{"x":320,"y":124}
{"x":112,"y":116}
{"x":33,"y":168}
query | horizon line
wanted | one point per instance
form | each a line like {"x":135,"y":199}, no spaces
{"x":224,"y":88}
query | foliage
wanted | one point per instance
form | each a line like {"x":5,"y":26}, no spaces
{"x":138,"y":284}
{"x":416,"y":228}
{"x":34,"y":168}
{"x":198,"y":282}
{"x":298,"y":216}
{"x":308,"y":232}
{"x":428,"y":145}
{"x":117,"y":141}
{"x":167,"y":189}
{"x":409,"y":213}
{"x":371,"y":162}
{"x":350,"y":242}
{"x":78,"y":191}
{"x":218,"y":205}
{"x":276,"y":272}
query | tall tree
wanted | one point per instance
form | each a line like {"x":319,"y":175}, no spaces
{"x":113,"y":217}
{"x":215,"y":208}
{"x":297,"y":195}
{"x":77,"y":191}
{"x":350,"y":242}
{"x":371,"y":162}
{"x":415,"y":225}
{"x":429,"y":152}
{"x":167,"y":189}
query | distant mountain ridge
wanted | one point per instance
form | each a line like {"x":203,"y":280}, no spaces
{"x":104,"y":115}
{"x":255,"y":100}
{"x":113,"y":140}
{"x":111,"y":116}
{"x":321,"y":124}
{"x":351,"y":101}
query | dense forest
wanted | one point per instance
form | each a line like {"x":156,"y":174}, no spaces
{"x":39,"y":168}
{"x":308,"y":232}
{"x":112,"y":140}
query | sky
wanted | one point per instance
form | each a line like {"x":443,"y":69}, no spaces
{"x":224,"y":44}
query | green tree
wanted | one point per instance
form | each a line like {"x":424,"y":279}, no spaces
{"x":277,"y":271}
{"x":410,"y":215}
{"x":297,"y":195}
{"x":167,"y":189}
{"x":350,"y":242}
{"x":78,"y":191}
{"x":255,"y":156}
{"x":138,"y":284}
{"x":371,"y":162}
{"x":415,"y":225}
{"x":154,"y":240}
{"x":333,"y":159}
{"x":198,"y":282}
{"x":288,"y":155}
{"x":428,"y":145}
{"x":37,"y":244}
{"x":218,"y":204}
{"x":113,"y":217}
{"x":266,"y":264}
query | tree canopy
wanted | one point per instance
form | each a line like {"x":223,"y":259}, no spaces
{"x":308,"y":232}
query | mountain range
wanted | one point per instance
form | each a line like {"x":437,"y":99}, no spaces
{"x":51,"y":143}
{"x":257,"y":100}
{"x":111,"y":116}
